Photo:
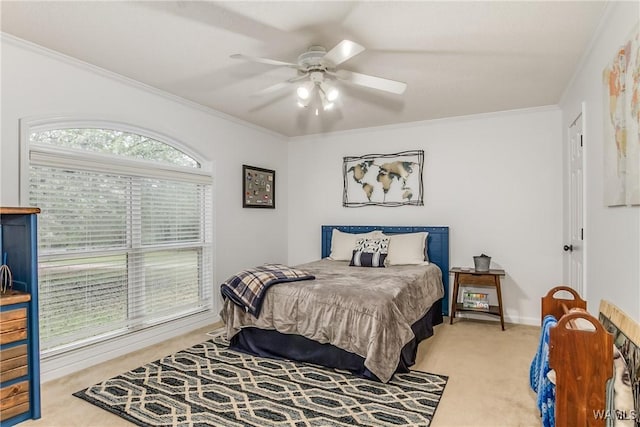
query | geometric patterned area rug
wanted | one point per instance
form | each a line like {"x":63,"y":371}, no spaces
{"x":210,"y":385}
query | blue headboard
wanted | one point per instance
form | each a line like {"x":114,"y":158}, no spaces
{"x":437,"y":246}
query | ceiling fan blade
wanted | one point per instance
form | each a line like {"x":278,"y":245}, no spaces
{"x":343,"y":51}
{"x":278,"y":86}
{"x":374,"y":82}
{"x":300,"y":77}
{"x":271,"y":89}
{"x":264,"y":60}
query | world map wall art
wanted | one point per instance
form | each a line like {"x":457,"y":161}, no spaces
{"x":383,"y":179}
{"x":621,"y":79}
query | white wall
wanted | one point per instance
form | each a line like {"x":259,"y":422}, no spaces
{"x":612,"y":234}
{"x":38,"y":82}
{"x":493,"y":179}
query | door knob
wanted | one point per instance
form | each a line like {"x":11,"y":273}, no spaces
{"x":568,"y":248}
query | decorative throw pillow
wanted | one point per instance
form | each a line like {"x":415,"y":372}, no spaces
{"x":343,"y":244}
{"x":370,"y":252}
{"x":373,"y":245}
{"x":367,"y":259}
{"x":407,"y":248}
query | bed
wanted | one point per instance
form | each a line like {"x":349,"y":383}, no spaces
{"x":358,"y":319}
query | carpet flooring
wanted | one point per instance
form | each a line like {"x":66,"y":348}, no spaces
{"x":210,"y":385}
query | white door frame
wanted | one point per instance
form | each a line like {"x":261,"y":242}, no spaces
{"x":567,"y":220}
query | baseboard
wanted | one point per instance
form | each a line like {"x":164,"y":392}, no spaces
{"x":508,"y":318}
{"x":522,"y":320}
{"x":67,"y":363}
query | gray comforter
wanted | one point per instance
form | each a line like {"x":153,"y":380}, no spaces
{"x":366,"y":311}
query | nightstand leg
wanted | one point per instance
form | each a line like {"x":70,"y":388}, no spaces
{"x":454,"y":300}
{"x":499,"y":292}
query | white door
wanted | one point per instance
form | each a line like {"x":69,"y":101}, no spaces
{"x":574,"y":248}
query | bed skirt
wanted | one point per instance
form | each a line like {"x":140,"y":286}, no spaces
{"x":276,"y":345}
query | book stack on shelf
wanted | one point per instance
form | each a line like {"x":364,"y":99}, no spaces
{"x":477,"y":300}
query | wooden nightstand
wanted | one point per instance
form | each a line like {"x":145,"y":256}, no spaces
{"x":469,"y":277}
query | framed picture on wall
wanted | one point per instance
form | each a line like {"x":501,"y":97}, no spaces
{"x":258,"y":187}
{"x":383,"y":179}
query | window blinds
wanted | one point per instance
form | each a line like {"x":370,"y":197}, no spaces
{"x":118,"y":251}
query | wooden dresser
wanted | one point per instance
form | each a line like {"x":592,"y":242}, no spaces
{"x":19,"y":344}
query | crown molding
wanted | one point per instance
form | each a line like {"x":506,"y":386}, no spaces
{"x":429,"y":122}
{"x":36,"y":48}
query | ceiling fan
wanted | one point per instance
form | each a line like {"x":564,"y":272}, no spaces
{"x":317,"y":72}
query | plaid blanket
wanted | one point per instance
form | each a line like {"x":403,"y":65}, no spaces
{"x":248,"y":287}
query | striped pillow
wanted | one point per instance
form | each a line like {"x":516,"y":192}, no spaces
{"x":370,"y":252}
{"x":367,"y":259}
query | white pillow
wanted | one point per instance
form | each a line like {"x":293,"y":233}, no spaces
{"x":407,"y":248}
{"x":343,"y":244}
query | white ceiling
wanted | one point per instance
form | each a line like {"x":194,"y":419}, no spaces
{"x":457,"y":58}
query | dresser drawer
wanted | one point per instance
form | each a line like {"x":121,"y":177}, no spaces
{"x":476,"y":279}
{"x":13,"y":325}
{"x":14,"y":400}
{"x":13,"y":363}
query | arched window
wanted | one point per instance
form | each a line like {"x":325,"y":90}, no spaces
{"x":125,"y":233}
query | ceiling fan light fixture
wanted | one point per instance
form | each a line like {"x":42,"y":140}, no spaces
{"x":303,"y":93}
{"x":304,"y":90}
{"x":332,"y":95}
{"x":304,"y":103}
{"x":326,"y":103}
{"x":330,"y":91}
